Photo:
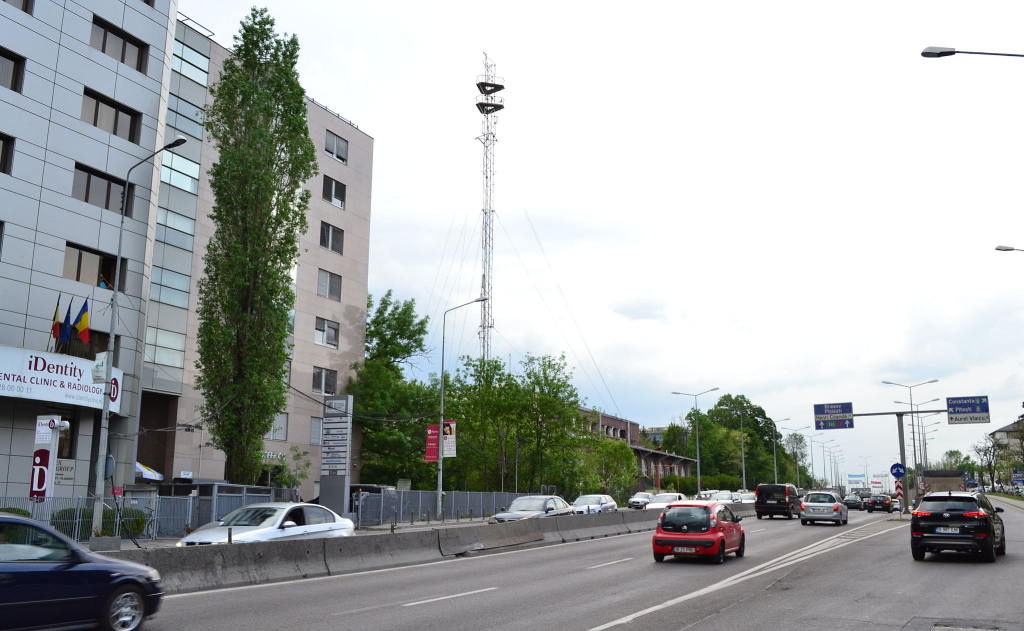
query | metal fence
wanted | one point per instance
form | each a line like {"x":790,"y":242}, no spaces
{"x":413,"y":506}
{"x":146,"y":517}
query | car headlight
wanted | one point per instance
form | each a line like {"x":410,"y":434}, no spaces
{"x":180,"y":544}
{"x":153,"y":575}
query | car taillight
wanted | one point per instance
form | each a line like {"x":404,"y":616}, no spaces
{"x":979,"y":514}
{"x":886,"y":501}
{"x":802,"y":507}
{"x":787,"y":491}
{"x":921,"y":513}
{"x":836,"y":507}
{"x":916,"y":534}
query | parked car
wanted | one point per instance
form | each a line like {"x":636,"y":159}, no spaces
{"x":586,"y":504}
{"x":52,"y":582}
{"x":273,"y":521}
{"x":854,"y":501}
{"x":698,"y":528}
{"x":963,"y":522}
{"x":823,"y":506}
{"x":724,"y":496}
{"x":880,"y":502}
{"x":639,"y":499}
{"x":661,"y":500}
{"x":748,"y":498}
{"x":532,"y":507}
{"x":776,"y":499}
{"x":897,"y":505}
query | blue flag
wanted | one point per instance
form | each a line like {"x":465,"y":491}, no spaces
{"x":65,"y":329}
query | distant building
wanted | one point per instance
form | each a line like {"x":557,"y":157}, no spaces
{"x":656,"y":434}
{"x":654,"y":464}
{"x":1005,"y":434}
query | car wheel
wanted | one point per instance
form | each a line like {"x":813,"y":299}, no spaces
{"x":870,"y":510}
{"x":989,"y":553}
{"x":771,"y":516}
{"x":743,"y":547}
{"x":760,"y":516}
{"x":1001,"y":550}
{"x":658,"y":557}
{"x":720,"y":557}
{"x":789,"y":515}
{"x":917,"y":552}
{"x":803,"y":522}
{"x":124,"y":610}
{"x":847,"y":520}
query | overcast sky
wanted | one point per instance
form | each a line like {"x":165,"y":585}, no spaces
{"x":784,"y":200}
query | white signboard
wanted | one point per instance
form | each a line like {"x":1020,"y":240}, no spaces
{"x":448,"y":439}
{"x":28,"y":374}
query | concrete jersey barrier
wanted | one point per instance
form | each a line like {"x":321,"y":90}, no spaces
{"x":345,"y":555}
{"x":511,"y":533}
{"x":455,"y":541}
{"x":577,"y":527}
{"x":549,"y":530}
{"x":640,"y":521}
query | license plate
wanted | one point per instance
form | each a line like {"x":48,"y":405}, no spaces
{"x":771,"y":501}
{"x":818,"y":510}
{"x":945,"y":530}
{"x":681,"y":550}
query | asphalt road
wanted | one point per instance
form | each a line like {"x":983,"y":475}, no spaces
{"x":807,"y":577}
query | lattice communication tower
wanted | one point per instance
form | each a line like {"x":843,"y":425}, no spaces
{"x":489,"y":105}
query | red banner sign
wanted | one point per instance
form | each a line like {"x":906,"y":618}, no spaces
{"x":433,"y":438}
{"x":40,"y":471}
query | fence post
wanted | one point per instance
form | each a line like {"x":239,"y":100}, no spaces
{"x":398,"y":515}
{"x":188,"y":519}
{"x":381,"y":508}
{"x":156,"y":516}
{"x":214,"y":504}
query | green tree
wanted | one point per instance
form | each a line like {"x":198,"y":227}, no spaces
{"x":290,"y":472}
{"x":611,"y":467}
{"x":989,"y":452}
{"x":257,"y":121}
{"x":674,"y":439}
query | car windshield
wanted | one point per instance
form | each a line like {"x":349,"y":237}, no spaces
{"x":527,"y":504}
{"x":948,"y":505}
{"x":252,"y":516}
{"x":685,"y":516}
{"x":819,"y":498}
{"x":584,"y":500}
{"x":643,"y":496}
{"x":664,"y":498}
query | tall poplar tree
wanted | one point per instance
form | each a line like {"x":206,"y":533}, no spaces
{"x":258,"y":124}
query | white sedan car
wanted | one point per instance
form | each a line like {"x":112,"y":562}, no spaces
{"x":661,"y":500}
{"x":275,"y":521}
{"x":587,"y":504}
{"x":824,"y":506}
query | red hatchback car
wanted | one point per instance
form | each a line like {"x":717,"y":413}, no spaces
{"x":695,"y":528}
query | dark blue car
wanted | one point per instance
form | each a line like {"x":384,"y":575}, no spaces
{"x":48,"y":581}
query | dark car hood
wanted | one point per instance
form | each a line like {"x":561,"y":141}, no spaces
{"x":111,"y":563}
{"x":520,"y":514}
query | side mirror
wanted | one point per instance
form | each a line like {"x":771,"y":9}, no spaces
{"x":549,"y":509}
{"x":503,"y":508}
{"x":289,"y":524}
{"x":739,"y":518}
{"x":999,"y":509}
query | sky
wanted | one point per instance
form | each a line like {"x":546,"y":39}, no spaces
{"x":783,"y":200}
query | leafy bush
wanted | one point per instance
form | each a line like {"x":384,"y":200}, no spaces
{"x":132,"y":519}
{"x":20,"y":512}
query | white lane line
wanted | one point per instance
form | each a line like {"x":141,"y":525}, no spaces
{"x":758,"y":530}
{"x":434,"y":600}
{"x":365,"y":609}
{"x":764,"y":568}
{"x":594,"y":567}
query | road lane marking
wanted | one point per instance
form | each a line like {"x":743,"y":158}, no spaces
{"x":778,"y":563}
{"x":365,"y":609}
{"x":434,"y":600}
{"x":594,"y":567}
{"x":758,"y":530}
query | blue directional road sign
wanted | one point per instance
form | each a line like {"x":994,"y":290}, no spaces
{"x":898,"y":470}
{"x":963,"y":410}
{"x":833,"y":416}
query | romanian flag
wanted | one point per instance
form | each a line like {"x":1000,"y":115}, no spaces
{"x":82,"y":323}
{"x":65,"y":329}
{"x":56,"y":319}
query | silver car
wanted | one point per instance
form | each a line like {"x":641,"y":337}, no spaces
{"x":275,"y":521}
{"x":823,"y":506}
{"x":586,"y":504}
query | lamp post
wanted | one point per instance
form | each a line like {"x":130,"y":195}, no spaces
{"x":823,"y":472}
{"x":797,"y":459}
{"x":915,"y":427}
{"x":866,"y":480}
{"x":910,"y":389}
{"x":810,"y":451}
{"x":101,"y":452}
{"x":938,"y":51}
{"x":440,"y":447}
{"x":743,"y":444}
{"x":775,"y":446}
{"x":696,"y":428}
{"x":1007,"y":248}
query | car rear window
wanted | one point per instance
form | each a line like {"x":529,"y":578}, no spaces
{"x":693,"y":517}
{"x":771,"y":492}
{"x":820,"y":498}
{"x":948,"y":505}
{"x":879,"y":498}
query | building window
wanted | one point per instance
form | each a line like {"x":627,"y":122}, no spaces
{"x":90,"y":267}
{"x":190,"y":63}
{"x":165,"y":347}
{"x":170,"y":288}
{"x":6,"y":154}
{"x":97,"y":344}
{"x":100,"y":190}
{"x":325,"y":380}
{"x":12,"y":70}
{"x":337,"y":147}
{"x":334,"y":192}
{"x":109,"y":116}
{"x":331,"y":237}
{"x":328,"y":285}
{"x":185,"y":116}
{"x":326,"y":333}
{"x":316,"y":429}
{"x":287,"y":377}
{"x":280,"y":429}
{"x":180,"y":172}
{"x":118,"y":44}
{"x":23,"y":5}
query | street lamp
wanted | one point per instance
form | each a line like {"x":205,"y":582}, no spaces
{"x":1007,"y":248}
{"x":101,"y":452}
{"x":810,"y":451}
{"x":440,"y":448}
{"x":938,"y":51}
{"x":775,"y":446}
{"x":916,"y":426}
{"x":797,"y":458}
{"x":823,"y":480}
{"x":910,"y":389}
{"x":696,"y":428}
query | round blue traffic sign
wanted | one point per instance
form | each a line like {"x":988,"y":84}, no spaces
{"x":898,"y":470}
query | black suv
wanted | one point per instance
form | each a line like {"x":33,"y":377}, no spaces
{"x":957,"y":521}
{"x":880,"y":502}
{"x":776,"y":499}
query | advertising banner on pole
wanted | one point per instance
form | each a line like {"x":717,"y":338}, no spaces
{"x":448,"y":438}
{"x":433,"y":438}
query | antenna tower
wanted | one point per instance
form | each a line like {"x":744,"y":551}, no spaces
{"x":489,"y":105}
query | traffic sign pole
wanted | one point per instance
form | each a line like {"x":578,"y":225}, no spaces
{"x":903,"y":458}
